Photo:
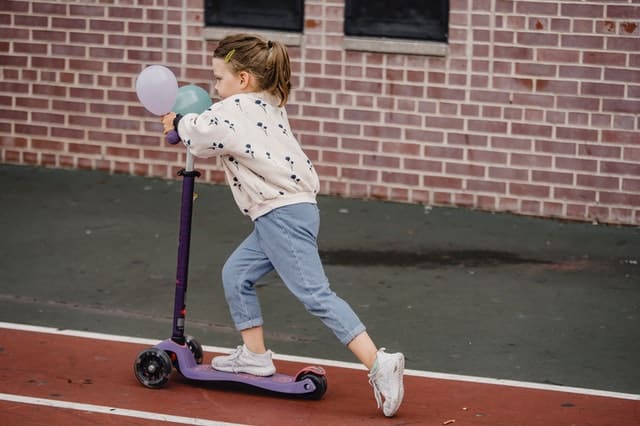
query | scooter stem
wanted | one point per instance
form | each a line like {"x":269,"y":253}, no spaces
{"x":184,"y":241}
{"x":189,"y":165}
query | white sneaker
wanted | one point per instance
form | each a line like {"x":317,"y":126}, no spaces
{"x":242,"y":360}
{"x":386,"y":379}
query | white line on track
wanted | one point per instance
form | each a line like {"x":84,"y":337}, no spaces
{"x":332,"y":363}
{"x":101,"y":409}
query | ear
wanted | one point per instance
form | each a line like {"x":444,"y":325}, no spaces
{"x":245,"y":79}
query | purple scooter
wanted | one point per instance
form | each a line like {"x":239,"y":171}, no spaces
{"x":153,"y":365}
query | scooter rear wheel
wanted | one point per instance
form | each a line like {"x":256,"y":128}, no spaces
{"x":195,"y":347}
{"x":152,"y":368}
{"x":320,"y":383}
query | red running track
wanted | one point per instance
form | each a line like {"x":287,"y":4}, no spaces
{"x":45,"y":378}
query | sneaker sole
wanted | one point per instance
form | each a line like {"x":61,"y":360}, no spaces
{"x":261,"y":372}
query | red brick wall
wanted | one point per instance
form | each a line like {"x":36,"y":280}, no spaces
{"x":535,"y":109}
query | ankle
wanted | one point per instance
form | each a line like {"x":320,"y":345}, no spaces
{"x":256,"y":350}
{"x":374,"y":366}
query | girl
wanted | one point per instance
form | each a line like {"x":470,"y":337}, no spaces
{"x":275,"y":184}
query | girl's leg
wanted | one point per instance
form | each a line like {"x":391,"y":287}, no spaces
{"x":288,"y":236}
{"x":246,"y":265}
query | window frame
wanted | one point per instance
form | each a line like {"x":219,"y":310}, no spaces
{"x":431,"y":27}
{"x":228,"y":14}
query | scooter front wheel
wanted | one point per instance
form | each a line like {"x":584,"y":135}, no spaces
{"x":152,"y":368}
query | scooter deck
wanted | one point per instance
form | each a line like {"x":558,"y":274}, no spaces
{"x":281,"y":383}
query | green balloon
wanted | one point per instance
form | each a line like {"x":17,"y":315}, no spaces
{"x":191,"y":99}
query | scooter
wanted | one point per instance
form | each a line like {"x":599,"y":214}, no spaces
{"x":153,"y":366}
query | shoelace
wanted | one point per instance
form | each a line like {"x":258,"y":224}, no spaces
{"x":234,"y":357}
{"x":235,"y":354}
{"x":376,"y":391}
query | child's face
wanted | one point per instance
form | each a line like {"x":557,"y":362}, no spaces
{"x":227,"y":82}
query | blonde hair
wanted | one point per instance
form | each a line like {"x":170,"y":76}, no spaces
{"x":267,"y":60}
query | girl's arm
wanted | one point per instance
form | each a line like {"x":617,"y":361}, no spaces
{"x":204,"y":134}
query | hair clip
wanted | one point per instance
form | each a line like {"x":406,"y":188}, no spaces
{"x":269,"y":44}
{"x":229,"y":55}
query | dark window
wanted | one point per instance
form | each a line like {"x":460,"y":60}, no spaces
{"x":408,"y":19}
{"x":283,"y":15}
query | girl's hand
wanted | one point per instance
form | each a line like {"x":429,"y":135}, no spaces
{"x":167,"y":122}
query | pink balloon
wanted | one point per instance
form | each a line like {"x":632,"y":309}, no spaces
{"x":157,"y":89}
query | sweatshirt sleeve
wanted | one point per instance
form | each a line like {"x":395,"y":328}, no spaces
{"x":205,"y":134}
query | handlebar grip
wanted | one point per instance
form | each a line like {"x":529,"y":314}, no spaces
{"x":172,"y":137}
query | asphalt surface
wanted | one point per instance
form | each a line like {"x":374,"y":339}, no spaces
{"x":458,"y":291}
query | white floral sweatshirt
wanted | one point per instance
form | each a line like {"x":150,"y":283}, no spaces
{"x":263,"y":161}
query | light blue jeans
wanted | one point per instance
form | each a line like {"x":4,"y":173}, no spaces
{"x":285,"y":239}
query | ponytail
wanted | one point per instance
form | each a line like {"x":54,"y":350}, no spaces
{"x":277,"y":79}
{"x":267,"y":60}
